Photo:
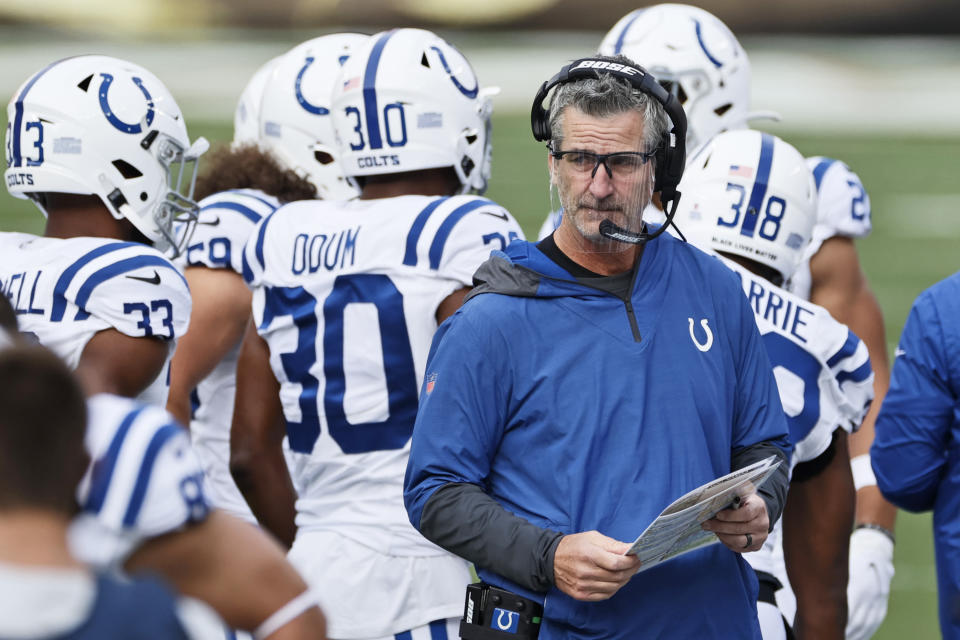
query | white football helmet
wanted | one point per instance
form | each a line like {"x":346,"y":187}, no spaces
{"x":750,"y":194}
{"x":295,"y":120}
{"x":102,"y":126}
{"x":694,"y":55}
{"x":410,"y":101}
{"x":246,"y":117}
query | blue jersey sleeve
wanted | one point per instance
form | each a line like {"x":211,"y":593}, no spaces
{"x":909,"y":452}
{"x":460,"y":421}
{"x":758,"y":414}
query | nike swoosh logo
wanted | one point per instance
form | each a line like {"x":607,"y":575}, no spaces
{"x":211,"y":223}
{"x":502,"y":216}
{"x":899,"y":352}
{"x":154,"y":280}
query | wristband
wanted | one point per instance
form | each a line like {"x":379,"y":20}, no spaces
{"x":285,"y":614}
{"x":877,"y":527}
{"x":862,"y":472}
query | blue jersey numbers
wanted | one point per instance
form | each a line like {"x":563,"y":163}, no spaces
{"x":158,"y":314}
{"x":399,"y":371}
{"x":299,"y":365}
{"x":858,"y":206}
{"x":787,"y":354}
{"x":498,"y":237}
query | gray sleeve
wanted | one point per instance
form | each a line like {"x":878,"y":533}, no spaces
{"x":774,"y":490}
{"x":464,"y":520}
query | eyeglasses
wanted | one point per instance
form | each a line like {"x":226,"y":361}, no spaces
{"x":622,"y":163}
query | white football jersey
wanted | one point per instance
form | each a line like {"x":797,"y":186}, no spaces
{"x":67,"y":290}
{"x":143,"y":480}
{"x":345,"y":294}
{"x":823,"y":375}
{"x":843,"y":209}
{"x":226,"y":221}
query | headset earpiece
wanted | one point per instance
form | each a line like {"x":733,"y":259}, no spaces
{"x":539,"y":118}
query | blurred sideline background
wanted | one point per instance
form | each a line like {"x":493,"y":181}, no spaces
{"x":875,"y":83}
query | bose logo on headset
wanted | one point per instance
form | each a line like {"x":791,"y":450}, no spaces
{"x":609,"y":66}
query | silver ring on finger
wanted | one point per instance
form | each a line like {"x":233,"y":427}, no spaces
{"x":749,"y":541}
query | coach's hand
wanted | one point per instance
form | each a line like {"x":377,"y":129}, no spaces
{"x":742,"y":529}
{"x":591,"y":566}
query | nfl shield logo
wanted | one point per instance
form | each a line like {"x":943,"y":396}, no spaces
{"x":431,"y":381}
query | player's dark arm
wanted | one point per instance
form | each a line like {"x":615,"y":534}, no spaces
{"x":816,"y":535}
{"x":257,"y":463}
{"x":236,"y":569}
{"x":450,"y":304}
{"x":8,"y":317}
{"x":113,"y":362}
{"x":839,"y":285}
{"x":221,"y":307}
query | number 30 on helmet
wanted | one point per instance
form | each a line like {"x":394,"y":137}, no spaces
{"x":408,"y":101}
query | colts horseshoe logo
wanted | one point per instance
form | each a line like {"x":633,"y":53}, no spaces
{"x":509,"y":614}
{"x":706,"y":328}
{"x":470,"y":93}
{"x":310,"y":108}
{"x":108,"y":112}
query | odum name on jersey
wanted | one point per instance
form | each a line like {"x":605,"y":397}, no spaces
{"x":332,"y":251}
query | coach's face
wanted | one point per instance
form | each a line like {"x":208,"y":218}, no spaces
{"x":617,"y":189}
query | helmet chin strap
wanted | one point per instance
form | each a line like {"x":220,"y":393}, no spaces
{"x":610,"y":230}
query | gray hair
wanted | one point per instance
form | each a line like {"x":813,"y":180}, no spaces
{"x":604,"y":96}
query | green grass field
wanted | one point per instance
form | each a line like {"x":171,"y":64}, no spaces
{"x":913,"y":188}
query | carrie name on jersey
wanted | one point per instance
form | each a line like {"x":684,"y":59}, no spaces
{"x":143,"y":480}
{"x":822,"y":368}
{"x":67,"y":290}
{"x":345,"y":294}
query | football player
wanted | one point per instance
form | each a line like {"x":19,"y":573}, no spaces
{"x":283,"y":151}
{"x":346,"y":298}
{"x":100,"y":145}
{"x":750,"y":197}
{"x":699,"y":59}
{"x":47,"y":592}
{"x":93,"y":289}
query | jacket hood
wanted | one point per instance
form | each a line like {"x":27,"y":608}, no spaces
{"x":522,"y":270}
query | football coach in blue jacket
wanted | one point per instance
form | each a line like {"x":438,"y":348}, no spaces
{"x":916,"y":452}
{"x":591,"y":379}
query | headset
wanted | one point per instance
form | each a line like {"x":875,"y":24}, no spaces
{"x":671,"y":152}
